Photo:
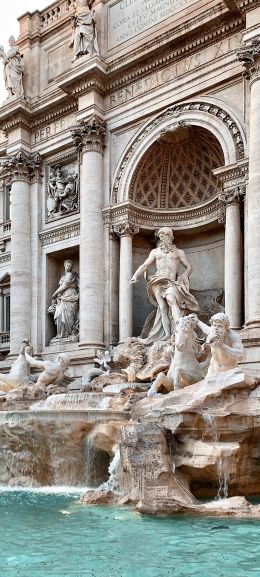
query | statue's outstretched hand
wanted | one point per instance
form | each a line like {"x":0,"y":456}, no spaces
{"x":133,"y":280}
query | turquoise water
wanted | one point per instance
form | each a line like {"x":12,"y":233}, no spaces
{"x":51,"y":535}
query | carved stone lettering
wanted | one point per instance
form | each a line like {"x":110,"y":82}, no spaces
{"x":176,"y":70}
{"x":129,"y":18}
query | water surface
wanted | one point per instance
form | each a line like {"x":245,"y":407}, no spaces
{"x":52,"y":535}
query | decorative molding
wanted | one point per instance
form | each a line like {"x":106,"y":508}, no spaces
{"x":250,"y":56}
{"x":89,"y":134}
{"x":197,"y":42}
{"x":52,"y":236}
{"x":125,"y":229}
{"x":171,"y":114}
{"x":56,"y":113}
{"x":149,"y":219}
{"x":21,"y":167}
{"x":235,"y":175}
{"x":18,"y":119}
{"x":232,"y":196}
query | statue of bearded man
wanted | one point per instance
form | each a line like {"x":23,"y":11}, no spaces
{"x":168,"y":289}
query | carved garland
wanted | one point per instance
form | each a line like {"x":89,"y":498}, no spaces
{"x":174,"y":112}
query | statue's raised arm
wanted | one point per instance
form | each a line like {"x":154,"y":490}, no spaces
{"x":167,"y":288}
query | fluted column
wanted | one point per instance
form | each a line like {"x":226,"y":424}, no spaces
{"x":20,"y":169}
{"x":89,"y":138}
{"x":126,"y":231}
{"x":250,"y":55}
{"x":233,"y":257}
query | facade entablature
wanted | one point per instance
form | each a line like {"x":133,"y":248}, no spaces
{"x":127,"y":47}
{"x":150,"y":219}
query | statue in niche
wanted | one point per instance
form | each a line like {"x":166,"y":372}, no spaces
{"x":65,"y":305}
{"x":84,"y":38}
{"x":168,"y":289}
{"x":13,"y":69}
{"x":62,"y":191}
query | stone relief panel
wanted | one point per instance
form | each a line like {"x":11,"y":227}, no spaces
{"x":62,"y":188}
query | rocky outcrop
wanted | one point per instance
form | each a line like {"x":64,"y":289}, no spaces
{"x":201,"y":441}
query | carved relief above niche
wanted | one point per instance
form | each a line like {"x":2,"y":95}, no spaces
{"x":62,"y":187}
{"x":176,"y":171}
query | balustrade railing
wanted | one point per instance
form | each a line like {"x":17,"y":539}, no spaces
{"x":4,"y":341}
{"x":7,"y":227}
{"x":51,"y":15}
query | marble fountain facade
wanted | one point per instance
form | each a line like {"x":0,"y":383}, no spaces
{"x":126,"y":121}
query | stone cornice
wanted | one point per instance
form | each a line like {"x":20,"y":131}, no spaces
{"x":233,"y":178}
{"x":149,"y":219}
{"x":89,"y":134}
{"x":172,"y":55}
{"x":21,"y":166}
{"x":54,"y":114}
{"x":246,"y":5}
{"x":66,"y":232}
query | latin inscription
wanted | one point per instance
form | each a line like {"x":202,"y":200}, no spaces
{"x":54,"y":128}
{"x":174,"y":71}
{"x":128,"y":18}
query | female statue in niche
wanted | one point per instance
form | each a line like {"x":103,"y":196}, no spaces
{"x":65,"y":305}
{"x":13,"y":69}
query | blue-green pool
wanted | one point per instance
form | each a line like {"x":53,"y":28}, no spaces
{"x":44,"y":535}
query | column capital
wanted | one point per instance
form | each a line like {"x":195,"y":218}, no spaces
{"x":232,"y":196}
{"x":125,"y":229}
{"x":250,"y":56}
{"x":89,"y":134}
{"x":21,"y":166}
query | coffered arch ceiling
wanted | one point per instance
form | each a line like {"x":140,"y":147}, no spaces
{"x":176,"y":171}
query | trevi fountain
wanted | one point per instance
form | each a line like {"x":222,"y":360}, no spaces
{"x":130,"y":290}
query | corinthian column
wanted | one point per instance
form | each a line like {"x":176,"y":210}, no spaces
{"x":20,"y":168}
{"x":126,"y":232}
{"x":250,"y":55}
{"x":89,"y":138}
{"x":233,"y":257}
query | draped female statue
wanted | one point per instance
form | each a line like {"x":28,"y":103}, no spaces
{"x":65,"y":305}
{"x":84,"y":40}
{"x":13,"y":69}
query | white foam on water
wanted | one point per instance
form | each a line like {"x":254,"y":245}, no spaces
{"x":48,"y":490}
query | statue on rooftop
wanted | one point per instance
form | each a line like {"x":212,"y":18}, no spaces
{"x":13,"y":69}
{"x":84,"y":38}
{"x":167,"y":288}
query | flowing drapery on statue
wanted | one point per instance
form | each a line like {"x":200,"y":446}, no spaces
{"x":168,"y":289}
{"x":65,"y":305}
{"x":84,"y":40}
{"x":13,"y":69}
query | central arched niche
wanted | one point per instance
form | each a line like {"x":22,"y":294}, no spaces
{"x":176,"y":170}
{"x":174,"y":174}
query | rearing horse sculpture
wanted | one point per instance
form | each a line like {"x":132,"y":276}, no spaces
{"x":185,"y":369}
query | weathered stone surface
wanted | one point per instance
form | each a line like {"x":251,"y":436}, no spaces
{"x":233,"y":507}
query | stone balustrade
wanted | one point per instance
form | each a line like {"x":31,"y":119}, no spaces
{"x":55,"y":12}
